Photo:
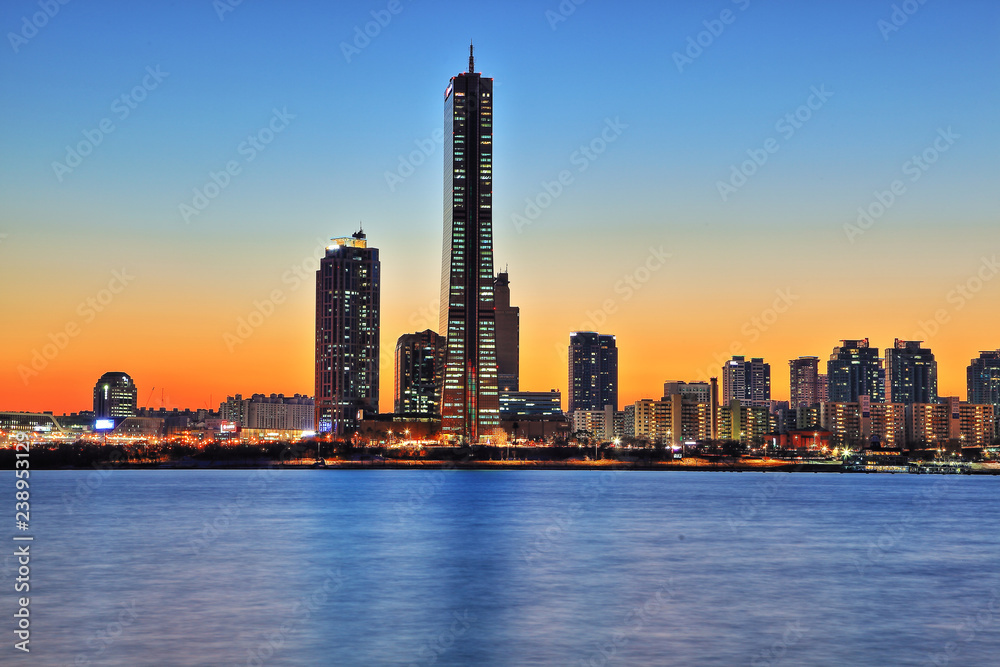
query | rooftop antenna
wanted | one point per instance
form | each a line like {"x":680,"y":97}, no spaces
{"x":472,"y":61}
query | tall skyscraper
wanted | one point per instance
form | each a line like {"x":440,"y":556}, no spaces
{"x":508,"y":335}
{"x":115,"y":396}
{"x":854,"y":370}
{"x":593,"y":371}
{"x":347,"y":334}
{"x":804,"y":382}
{"x":419,"y":374}
{"x":748,"y":382}
{"x":910,"y":373}
{"x":983,"y":379}
{"x":471,"y":409}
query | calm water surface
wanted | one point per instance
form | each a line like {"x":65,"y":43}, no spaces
{"x":324,"y":567}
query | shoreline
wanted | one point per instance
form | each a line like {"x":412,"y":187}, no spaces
{"x":764,"y":466}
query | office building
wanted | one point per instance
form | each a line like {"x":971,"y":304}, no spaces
{"x":593,"y":371}
{"x":855,"y":370}
{"x":748,"y":382}
{"x":347,"y":335}
{"x":910,"y":373}
{"x":419,"y":376}
{"x":516,"y":405}
{"x":115,"y":396}
{"x":471,"y":404}
{"x":508,"y":335}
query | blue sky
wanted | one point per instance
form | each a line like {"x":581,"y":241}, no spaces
{"x":555,"y":89}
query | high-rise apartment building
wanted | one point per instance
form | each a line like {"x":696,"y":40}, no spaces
{"x":419,"y":374}
{"x":593,"y":371}
{"x":910,"y":373}
{"x":983,"y":379}
{"x":471,"y":406}
{"x":855,"y":370}
{"x":983,"y":383}
{"x":804,"y":382}
{"x":748,"y":382}
{"x":347,"y":334}
{"x":115,"y":396}
{"x":508,"y":335}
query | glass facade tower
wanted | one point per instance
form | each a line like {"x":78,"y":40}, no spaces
{"x":470,"y":410}
{"x":347,"y":335}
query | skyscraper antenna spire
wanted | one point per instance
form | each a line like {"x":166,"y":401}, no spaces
{"x":472,"y":61}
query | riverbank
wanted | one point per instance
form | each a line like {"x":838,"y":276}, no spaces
{"x":687,"y":464}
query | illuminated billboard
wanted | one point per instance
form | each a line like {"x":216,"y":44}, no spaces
{"x":104,"y":424}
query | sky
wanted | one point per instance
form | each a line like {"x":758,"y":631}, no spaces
{"x":736,"y":177}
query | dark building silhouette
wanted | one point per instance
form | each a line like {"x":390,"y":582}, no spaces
{"x":910,"y":373}
{"x":508,"y":335}
{"x":347,"y":334}
{"x":471,"y":405}
{"x":419,"y":374}
{"x":114,"y":396}
{"x":593,"y":371}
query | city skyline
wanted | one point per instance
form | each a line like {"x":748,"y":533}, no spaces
{"x":122,"y":273}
